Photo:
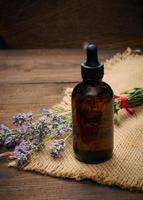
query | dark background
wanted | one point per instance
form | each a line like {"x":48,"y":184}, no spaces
{"x":71,"y":23}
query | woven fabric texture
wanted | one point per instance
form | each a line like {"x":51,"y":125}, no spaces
{"x":125,"y":169}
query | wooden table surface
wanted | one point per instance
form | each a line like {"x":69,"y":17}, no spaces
{"x":30,"y":80}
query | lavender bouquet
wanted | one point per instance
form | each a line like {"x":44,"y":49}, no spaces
{"x":30,"y":135}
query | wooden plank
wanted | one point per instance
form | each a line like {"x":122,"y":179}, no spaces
{"x":44,"y":65}
{"x":16,"y":184}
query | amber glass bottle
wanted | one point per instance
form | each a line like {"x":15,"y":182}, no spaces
{"x":92,"y":113}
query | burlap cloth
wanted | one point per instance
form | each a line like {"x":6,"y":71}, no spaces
{"x":125,"y":169}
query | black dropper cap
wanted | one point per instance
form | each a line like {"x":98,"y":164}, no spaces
{"x":91,"y":69}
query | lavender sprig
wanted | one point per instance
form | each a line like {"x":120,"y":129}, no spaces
{"x":22,"y":158}
{"x":60,"y":130}
{"x":22,"y":153}
{"x":12,"y":140}
{"x":4,"y":129}
{"x":4,"y":132}
{"x":29,"y":136}
{"x":22,"y":118}
{"x":56,"y":148}
{"x":41,"y":127}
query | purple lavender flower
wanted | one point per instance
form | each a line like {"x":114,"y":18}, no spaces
{"x":23,"y":147}
{"x":22,"y":159}
{"x":37,"y":140}
{"x":22,"y":152}
{"x":60,"y":130}
{"x":12,"y":140}
{"x":4,"y":133}
{"x":22,"y":118}
{"x":41,"y":128}
{"x":4,"y":128}
{"x":57,"y":148}
{"x":24,"y":129}
{"x":9,"y":142}
{"x":1,"y":139}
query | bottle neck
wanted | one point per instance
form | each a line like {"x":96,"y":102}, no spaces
{"x":92,"y":81}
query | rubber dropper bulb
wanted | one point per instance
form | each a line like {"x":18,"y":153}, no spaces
{"x":92,"y":57}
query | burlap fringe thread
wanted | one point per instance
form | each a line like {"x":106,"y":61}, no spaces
{"x":125,"y":169}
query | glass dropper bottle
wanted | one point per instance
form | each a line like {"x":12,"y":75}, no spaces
{"x":92,"y":112}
